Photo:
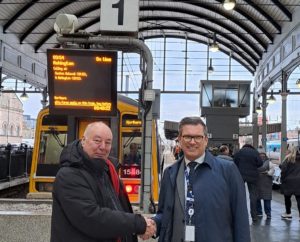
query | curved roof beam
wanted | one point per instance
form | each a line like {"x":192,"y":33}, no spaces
{"x":263,"y":13}
{"x":78,"y":15}
{"x":202,"y":42}
{"x":247,"y":60}
{"x":192,"y":31}
{"x":253,"y":21}
{"x":252,"y":62}
{"x":226,"y":15}
{"x":286,"y":12}
{"x":18,"y":14}
{"x":200,"y":15}
{"x":43,"y":40}
{"x":184,"y":31}
{"x":206,"y":6}
{"x":229,"y":17}
{"x":42,"y":18}
{"x":200,"y":34}
{"x":254,"y":59}
{"x":188,"y":21}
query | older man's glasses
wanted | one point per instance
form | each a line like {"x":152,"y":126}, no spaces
{"x":197,"y":138}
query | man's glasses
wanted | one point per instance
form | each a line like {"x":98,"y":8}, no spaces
{"x":197,"y":138}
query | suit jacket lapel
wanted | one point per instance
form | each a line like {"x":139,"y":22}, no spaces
{"x":180,"y":185}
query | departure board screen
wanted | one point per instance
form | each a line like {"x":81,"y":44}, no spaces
{"x":82,"y":82}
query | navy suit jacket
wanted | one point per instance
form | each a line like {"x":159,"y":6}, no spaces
{"x":220,"y":202}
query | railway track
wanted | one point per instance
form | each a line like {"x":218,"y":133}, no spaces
{"x":14,"y":188}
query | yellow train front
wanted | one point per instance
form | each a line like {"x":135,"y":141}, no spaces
{"x":51,"y":136}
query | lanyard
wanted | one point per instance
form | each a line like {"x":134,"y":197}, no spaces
{"x":189,"y":198}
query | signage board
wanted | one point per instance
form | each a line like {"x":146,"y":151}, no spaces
{"x":119,"y":16}
{"x":132,"y":123}
{"x":82,"y":82}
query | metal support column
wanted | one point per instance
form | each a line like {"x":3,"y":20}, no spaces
{"x":264,"y":119}
{"x":122,"y":70}
{"x":164,"y":64}
{"x":229,"y":72}
{"x":185,"y":62}
{"x":207,"y":62}
{"x":130,"y":44}
{"x":255,"y":130}
{"x":1,"y":87}
{"x":284,"y":93}
{"x":44,"y":100}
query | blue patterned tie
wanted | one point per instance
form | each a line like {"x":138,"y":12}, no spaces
{"x":190,"y":195}
{"x":192,"y":166}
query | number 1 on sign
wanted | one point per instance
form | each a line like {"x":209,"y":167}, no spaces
{"x":120,"y":6}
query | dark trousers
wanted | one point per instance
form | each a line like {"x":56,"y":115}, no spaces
{"x":267,"y":207}
{"x":253,"y":195}
{"x":288,"y":203}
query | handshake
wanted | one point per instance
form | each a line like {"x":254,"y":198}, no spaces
{"x":150,"y":230}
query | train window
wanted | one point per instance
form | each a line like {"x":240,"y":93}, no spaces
{"x":51,"y":145}
{"x":226,"y":97}
{"x":44,"y":186}
{"x":131,"y":163}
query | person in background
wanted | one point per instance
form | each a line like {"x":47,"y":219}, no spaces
{"x":177,"y":150}
{"x":248,"y":160}
{"x":133,"y":157}
{"x":89,"y":200}
{"x":264,"y":185}
{"x":202,"y":197}
{"x":224,"y":153}
{"x":290,"y":180}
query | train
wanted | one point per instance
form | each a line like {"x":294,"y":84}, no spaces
{"x":51,"y":137}
{"x":273,"y":147}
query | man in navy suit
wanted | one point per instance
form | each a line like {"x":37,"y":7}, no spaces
{"x":202,"y":197}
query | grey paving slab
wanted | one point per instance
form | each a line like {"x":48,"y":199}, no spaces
{"x":277,"y":229}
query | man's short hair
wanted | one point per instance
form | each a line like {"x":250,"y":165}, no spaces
{"x":192,"y":121}
{"x":223,"y":148}
{"x":133,"y":146}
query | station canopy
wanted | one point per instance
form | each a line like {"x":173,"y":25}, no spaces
{"x":244,"y":32}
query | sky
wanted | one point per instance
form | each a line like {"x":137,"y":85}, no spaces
{"x":33,"y":105}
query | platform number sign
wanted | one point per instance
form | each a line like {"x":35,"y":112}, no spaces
{"x":119,"y":16}
{"x":120,"y":6}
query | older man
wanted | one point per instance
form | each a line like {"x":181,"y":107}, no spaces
{"x":202,"y":197}
{"x":89,"y":201}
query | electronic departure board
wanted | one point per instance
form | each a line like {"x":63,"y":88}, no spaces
{"x":82,"y":82}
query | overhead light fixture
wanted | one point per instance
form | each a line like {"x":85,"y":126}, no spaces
{"x":24,"y":96}
{"x":214,"y":47}
{"x":229,"y":4}
{"x":258,"y":108}
{"x":271,"y":99}
{"x":210,"y":69}
{"x":298,"y":83}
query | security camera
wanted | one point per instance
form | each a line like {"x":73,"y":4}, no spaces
{"x":65,"y":24}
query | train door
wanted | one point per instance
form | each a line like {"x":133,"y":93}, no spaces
{"x":50,"y":138}
{"x":130,"y":155}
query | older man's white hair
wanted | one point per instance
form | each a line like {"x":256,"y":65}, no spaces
{"x":248,"y":141}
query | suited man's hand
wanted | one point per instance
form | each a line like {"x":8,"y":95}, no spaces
{"x":150,"y":230}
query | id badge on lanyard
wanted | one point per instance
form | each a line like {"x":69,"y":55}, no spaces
{"x":189,"y":233}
